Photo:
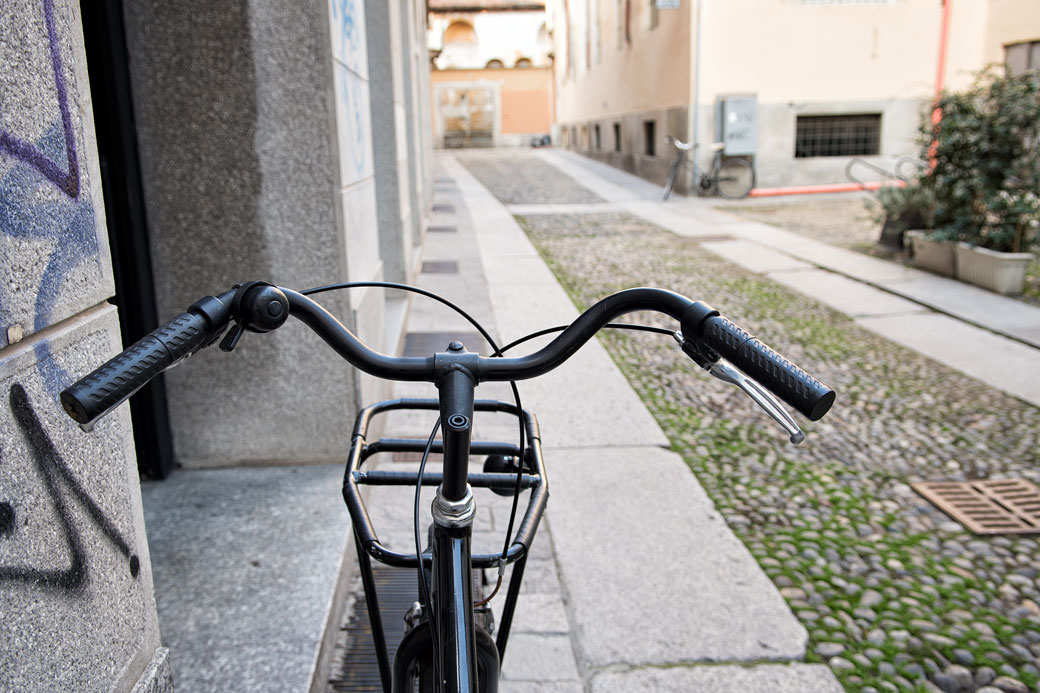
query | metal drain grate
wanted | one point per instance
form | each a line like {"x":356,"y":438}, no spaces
{"x":1002,"y":506}
{"x":440,"y":267}
{"x":354,"y":663}
{"x":429,"y":343}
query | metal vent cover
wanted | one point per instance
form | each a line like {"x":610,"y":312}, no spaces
{"x":995,"y":506}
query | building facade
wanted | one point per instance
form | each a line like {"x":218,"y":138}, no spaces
{"x":800,"y":87}
{"x":152,"y":153}
{"x":492,"y":72}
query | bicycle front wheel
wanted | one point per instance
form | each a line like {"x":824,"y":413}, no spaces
{"x":736,"y":179}
{"x":671,"y":178}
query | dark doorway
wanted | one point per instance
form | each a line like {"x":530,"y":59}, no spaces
{"x":108,"y":68}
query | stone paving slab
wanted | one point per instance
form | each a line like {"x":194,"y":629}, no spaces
{"x":754,"y":257}
{"x":556,"y":208}
{"x":984,"y":308}
{"x":596,"y":394}
{"x":766,"y":678}
{"x":651,"y":571}
{"x":995,"y":360}
{"x":846,"y":295}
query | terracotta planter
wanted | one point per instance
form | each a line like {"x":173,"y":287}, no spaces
{"x":934,"y":256}
{"x":1003,"y":273}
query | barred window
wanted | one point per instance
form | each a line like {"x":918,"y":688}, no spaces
{"x":1021,"y":57}
{"x":838,"y":135}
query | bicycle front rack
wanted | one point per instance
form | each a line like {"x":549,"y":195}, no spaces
{"x":367,"y":541}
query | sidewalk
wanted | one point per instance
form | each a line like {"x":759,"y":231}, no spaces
{"x":636,"y":582}
{"x":985,"y":335}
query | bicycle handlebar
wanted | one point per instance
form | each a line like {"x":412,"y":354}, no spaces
{"x":260,"y":307}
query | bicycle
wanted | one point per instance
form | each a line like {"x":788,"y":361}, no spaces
{"x":732,"y":178}
{"x":449,"y":645}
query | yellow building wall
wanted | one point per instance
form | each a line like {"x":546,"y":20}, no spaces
{"x":1010,"y":21}
{"x":525,"y":96}
{"x":649,"y":71}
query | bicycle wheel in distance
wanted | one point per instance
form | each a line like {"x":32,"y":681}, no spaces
{"x":671,"y":178}
{"x":736,"y":178}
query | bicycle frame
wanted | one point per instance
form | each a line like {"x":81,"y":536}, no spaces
{"x":468,"y":659}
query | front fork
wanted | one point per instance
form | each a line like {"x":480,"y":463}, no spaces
{"x":453,"y":511}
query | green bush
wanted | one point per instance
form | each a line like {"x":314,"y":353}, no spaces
{"x":986,"y":175}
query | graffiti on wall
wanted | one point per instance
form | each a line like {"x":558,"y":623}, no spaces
{"x":349,"y":48}
{"x":63,"y":489}
{"x":48,"y":223}
{"x":50,"y":248}
{"x":67,"y":179}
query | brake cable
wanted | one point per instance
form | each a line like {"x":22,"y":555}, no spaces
{"x":497,"y":352}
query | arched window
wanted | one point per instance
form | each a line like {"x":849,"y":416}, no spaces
{"x":460,"y":32}
{"x":494,"y":63}
{"x":522,"y":62}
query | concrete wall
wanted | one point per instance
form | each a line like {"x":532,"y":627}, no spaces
{"x":630,"y":152}
{"x":76,"y":596}
{"x":259,"y":161}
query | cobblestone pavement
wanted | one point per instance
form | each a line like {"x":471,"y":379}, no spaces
{"x":894,"y":594}
{"x":847,"y":222}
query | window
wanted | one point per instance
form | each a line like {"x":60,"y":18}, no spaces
{"x":494,"y":63}
{"x":1021,"y":57}
{"x":650,"y":137}
{"x":460,"y":32}
{"x":599,"y":142}
{"x":838,"y":135}
{"x":522,"y":62}
{"x":654,"y":16}
{"x":617,"y":137}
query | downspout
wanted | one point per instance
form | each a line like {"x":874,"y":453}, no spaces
{"x":944,"y":37}
{"x":696,"y":78}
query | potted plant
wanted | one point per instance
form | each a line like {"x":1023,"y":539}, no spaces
{"x":996,"y":257}
{"x":932,"y":250}
{"x":986,"y":174}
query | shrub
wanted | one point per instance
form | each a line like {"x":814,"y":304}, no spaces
{"x":987,"y":162}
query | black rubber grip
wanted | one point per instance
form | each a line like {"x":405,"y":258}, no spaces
{"x":97,"y":393}
{"x":763,"y":365}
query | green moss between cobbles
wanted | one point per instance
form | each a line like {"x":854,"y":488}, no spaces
{"x":814,"y":509}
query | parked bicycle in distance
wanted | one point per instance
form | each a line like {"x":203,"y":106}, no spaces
{"x":732,"y":178}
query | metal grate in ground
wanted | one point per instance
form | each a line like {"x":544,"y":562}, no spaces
{"x":440,"y":267}
{"x":1000,"y":506}
{"x":429,"y":343}
{"x":354,"y":664}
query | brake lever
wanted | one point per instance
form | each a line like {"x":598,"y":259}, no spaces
{"x":723,"y":371}
{"x":710,"y":361}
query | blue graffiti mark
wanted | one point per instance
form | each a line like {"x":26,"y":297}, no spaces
{"x":68,"y":180}
{"x":353,"y":103}
{"x":345,"y":13}
{"x":29,"y":214}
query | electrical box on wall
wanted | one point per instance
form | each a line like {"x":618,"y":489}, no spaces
{"x":736,"y":123}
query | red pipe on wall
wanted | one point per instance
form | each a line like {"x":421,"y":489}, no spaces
{"x":944,"y":37}
{"x":814,"y":189}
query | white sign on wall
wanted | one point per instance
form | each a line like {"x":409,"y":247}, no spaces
{"x":668,"y":4}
